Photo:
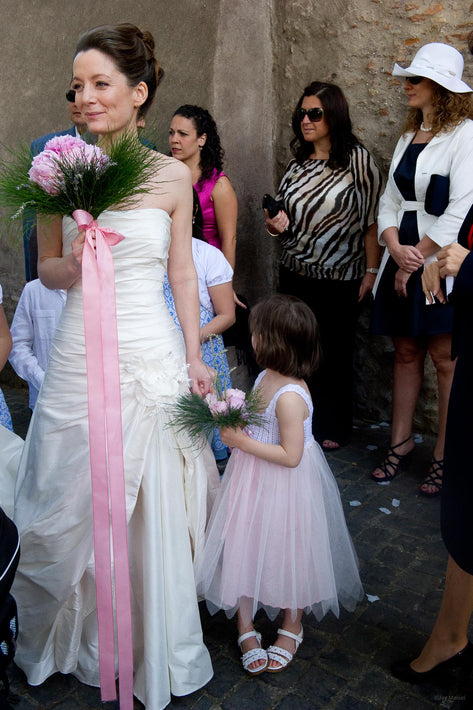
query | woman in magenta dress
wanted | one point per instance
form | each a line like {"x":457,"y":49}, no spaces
{"x":193,"y":139}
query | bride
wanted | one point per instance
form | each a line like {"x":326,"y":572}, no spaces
{"x":166,"y":483}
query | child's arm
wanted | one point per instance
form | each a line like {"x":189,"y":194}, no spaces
{"x":224,"y":306}
{"x":5,"y":339}
{"x":291,"y":411}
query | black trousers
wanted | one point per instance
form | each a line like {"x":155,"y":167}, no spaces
{"x":335,"y":306}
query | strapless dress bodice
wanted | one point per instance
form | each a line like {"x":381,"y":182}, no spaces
{"x":147,"y":235}
{"x":140,"y":262}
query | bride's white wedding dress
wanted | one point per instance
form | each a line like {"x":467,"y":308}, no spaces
{"x":166,"y":488}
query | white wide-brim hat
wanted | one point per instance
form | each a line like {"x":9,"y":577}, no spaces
{"x":439,"y":62}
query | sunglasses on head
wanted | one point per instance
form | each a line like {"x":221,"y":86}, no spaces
{"x":71,"y":96}
{"x":414,"y":79}
{"x":314,"y":114}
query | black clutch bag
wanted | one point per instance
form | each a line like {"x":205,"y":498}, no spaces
{"x":437,"y":195}
{"x":273,"y":206}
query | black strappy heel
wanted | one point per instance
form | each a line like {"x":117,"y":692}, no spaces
{"x":434,"y":478}
{"x":393,"y":462}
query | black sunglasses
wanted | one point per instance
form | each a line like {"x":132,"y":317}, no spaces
{"x":414,"y":79}
{"x":71,"y":96}
{"x":314,"y":114}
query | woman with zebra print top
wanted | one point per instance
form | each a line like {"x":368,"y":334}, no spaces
{"x":330,"y":255}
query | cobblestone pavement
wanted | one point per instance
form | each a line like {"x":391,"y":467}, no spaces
{"x":343,"y":664}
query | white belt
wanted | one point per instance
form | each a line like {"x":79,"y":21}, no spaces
{"x":412,"y":206}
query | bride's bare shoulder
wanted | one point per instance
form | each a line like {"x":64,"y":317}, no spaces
{"x":171,"y":180}
{"x":171,"y":169}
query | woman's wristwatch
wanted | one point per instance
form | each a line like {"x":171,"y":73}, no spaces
{"x":372,"y":270}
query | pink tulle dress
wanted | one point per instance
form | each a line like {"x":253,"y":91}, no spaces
{"x":277,"y":537}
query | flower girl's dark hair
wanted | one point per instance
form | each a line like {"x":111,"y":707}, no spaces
{"x":285,"y":336}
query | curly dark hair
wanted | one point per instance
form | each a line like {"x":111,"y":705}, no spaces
{"x":449,"y":110}
{"x":286,"y":336}
{"x":342,"y":138}
{"x":212,"y":154}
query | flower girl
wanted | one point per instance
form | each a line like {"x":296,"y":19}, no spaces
{"x":277,"y":538}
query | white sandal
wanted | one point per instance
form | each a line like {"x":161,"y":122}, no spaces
{"x":254,"y":654}
{"x":280,"y":655}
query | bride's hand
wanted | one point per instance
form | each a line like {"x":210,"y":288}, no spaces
{"x":77,"y":246}
{"x":201,"y":377}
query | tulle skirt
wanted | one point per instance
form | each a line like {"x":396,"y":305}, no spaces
{"x":277,"y":539}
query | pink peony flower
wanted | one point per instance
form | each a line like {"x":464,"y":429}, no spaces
{"x":63,"y":144}
{"x":71,"y":148}
{"x":219,"y":407}
{"x":235,"y":398}
{"x":210,"y":398}
{"x":46,"y":173}
{"x":70,"y":152}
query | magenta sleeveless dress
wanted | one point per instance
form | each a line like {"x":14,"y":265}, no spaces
{"x":204,"y":191}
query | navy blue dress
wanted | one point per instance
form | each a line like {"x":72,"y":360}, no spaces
{"x":457,"y":491}
{"x":395,"y":315}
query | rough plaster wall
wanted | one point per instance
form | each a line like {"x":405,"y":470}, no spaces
{"x":355,"y":44}
{"x":242,"y":107}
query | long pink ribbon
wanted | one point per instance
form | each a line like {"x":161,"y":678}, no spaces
{"x":106,"y":458}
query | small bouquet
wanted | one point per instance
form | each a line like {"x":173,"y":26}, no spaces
{"x":231,"y":408}
{"x":70,"y":174}
{"x":224,"y":407}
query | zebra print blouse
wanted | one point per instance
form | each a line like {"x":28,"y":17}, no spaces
{"x":329,"y":212}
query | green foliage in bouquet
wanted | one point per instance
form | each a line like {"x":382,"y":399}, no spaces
{"x":198,"y":417}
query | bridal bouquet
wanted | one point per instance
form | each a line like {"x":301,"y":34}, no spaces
{"x":70,"y":174}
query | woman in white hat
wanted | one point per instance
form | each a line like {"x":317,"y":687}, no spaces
{"x":429,"y":192}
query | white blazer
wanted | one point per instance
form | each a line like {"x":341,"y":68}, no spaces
{"x":446,"y":154}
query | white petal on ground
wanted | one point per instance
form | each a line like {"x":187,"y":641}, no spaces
{"x":371,"y":447}
{"x":355,"y":503}
{"x":395,"y":503}
{"x":386,"y":511}
{"x":372,"y":598}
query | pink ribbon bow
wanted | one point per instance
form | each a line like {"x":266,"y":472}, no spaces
{"x":106,"y":458}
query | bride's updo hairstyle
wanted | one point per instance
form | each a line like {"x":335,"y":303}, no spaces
{"x":285,"y":336}
{"x":132,"y":51}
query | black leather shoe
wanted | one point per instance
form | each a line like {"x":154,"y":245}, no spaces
{"x":441,"y":673}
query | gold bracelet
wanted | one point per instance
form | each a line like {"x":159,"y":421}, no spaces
{"x":271,"y":234}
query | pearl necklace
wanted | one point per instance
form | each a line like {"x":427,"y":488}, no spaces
{"x":424,"y":129}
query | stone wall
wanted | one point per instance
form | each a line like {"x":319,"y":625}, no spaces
{"x":247,"y":61}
